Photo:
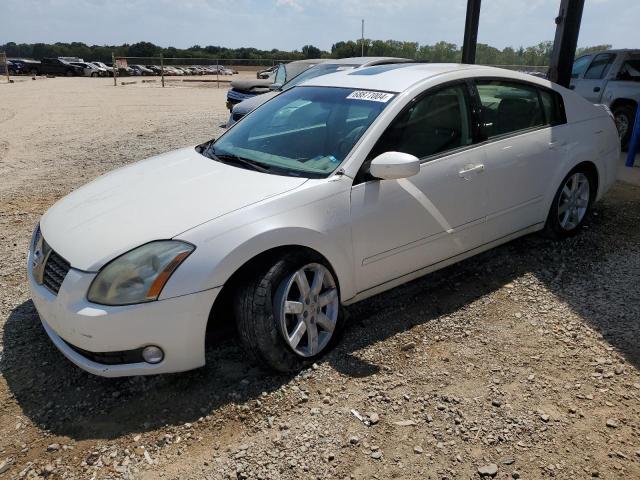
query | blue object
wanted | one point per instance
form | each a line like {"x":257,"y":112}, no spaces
{"x":634,"y":143}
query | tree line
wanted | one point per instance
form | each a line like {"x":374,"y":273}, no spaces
{"x":537,"y":55}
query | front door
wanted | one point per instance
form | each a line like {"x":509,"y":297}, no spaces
{"x":592,"y":84}
{"x":400,"y":226}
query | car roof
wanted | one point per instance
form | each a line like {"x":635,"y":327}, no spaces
{"x":399,"y":77}
{"x":369,"y":61}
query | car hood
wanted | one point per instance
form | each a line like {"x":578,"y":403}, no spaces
{"x":248,"y":85}
{"x":252,"y":103}
{"x":154,"y":199}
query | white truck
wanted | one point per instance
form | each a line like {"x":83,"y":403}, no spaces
{"x":611,"y":78}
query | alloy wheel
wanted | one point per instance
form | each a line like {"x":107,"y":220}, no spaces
{"x":622,"y":123}
{"x":307,"y":307}
{"x":573,"y":201}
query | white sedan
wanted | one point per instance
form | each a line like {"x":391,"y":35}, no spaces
{"x":329,"y":193}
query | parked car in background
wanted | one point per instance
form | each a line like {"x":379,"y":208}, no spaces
{"x":90,"y":70}
{"x":330,"y":66}
{"x":141,"y":70}
{"x":11,"y":68}
{"x":24,"y":66}
{"x":243,"y":89}
{"x":56,"y":66}
{"x":334,"y":191}
{"x":267,"y":73}
{"x":611,"y":78}
{"x":106,"y":71}
{"x":155,"y":69}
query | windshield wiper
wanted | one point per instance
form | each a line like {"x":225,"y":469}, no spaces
{"x":231,"y":158}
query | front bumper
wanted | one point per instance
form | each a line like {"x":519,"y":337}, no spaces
{"x":177,"y":325}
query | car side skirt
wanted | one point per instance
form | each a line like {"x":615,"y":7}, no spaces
{"x":444,"y":263}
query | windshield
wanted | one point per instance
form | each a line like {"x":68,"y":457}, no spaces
{"x":305,"y":131}
{"x":317,"y":71}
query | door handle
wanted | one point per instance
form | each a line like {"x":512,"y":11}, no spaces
{"x":470,"y":169}
{"x":596,"y":89}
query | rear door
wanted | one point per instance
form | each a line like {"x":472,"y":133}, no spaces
{"x":526,"y":140}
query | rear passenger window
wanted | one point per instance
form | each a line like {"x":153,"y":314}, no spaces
{"x":435,"y":123}
{"x":553,"y":107}
{"x":509,"y":107}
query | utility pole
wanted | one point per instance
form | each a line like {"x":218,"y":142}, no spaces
{"x":362,"y":51}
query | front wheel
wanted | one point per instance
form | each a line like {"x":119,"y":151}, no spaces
{"x":288,"y":314}
{"x":571,"y":204}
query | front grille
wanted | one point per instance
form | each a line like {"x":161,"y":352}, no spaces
{"x":54,"y":272}
{"x":111,"y":358}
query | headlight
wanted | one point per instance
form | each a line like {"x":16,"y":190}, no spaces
{"x":139,"y":275}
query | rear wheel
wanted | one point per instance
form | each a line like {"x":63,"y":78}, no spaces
{"x":571,"y":204}
{"x":288,"y":314}
{"x":625,"y":116}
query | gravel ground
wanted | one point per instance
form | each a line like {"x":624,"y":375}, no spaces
{"x":523,"y":362}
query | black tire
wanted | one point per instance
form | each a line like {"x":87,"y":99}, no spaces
{"x":258,"y":328}
{"x":553,"y":227}
{"x":625,"y":115}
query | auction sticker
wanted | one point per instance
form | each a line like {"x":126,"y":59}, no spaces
{"x":370,"y":96}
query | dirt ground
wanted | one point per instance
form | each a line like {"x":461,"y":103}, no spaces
{"x":523,"y":362}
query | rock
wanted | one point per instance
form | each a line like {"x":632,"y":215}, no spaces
{"x":515,"y":475}
{"x":4,"y":466}
{"x":354,"y":440}
{"x":612,"y":423}
{"x":490,"y":470}
{"x":508,"y":461}
{"x":374,"y":418}
{"x":405,"y":423}
{"x":408,"y":346}
{"x":377,"y":455}
{"x":54,"y":447}
{"x":417,"y":449}
{"x":544,"y":417}
{"x":496,"y":403}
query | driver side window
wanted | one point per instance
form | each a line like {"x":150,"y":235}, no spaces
{"x":432,"y":124}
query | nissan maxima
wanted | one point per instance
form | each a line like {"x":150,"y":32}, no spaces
{"x":333,"y":191}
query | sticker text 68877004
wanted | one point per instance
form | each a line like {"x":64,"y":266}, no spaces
{"x":370,"y":96}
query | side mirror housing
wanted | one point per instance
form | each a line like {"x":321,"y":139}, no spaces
{"x":275,"y":86}
{"x":394,"y":165}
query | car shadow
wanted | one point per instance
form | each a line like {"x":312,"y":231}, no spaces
{"x":58,"y":397}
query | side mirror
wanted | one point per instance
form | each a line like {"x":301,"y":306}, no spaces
{"x":275,"y":86}
{"x":394,"y":165}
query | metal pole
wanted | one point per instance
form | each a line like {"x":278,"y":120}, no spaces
{"x":162,"y":69}
{"x":6,"y":66}
{"x":634,"y":143}
{"x":217,"y":73}
{"x":471,"y":31}
{"x":566,"y":40}
{"x":362,"y":36}
{"x":113,"y":66}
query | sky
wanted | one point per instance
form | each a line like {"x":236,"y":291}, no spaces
{"x":290,"y":24}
